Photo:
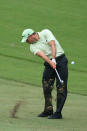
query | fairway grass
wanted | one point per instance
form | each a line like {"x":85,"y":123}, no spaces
{"x":30,"y":72}
{"x":74,"y":112}
{"x":66,"y":19}
{"x":21,"y":72}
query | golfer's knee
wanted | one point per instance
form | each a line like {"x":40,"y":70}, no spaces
{"x":62,"y":91}
{"x":48,"y":85}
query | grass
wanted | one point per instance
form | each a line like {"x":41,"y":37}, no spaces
{"x":67,"y":20}
{"x":74,"y":113}
{"x":21,"y":72}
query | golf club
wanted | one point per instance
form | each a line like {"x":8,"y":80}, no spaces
{"x":61,"y":81}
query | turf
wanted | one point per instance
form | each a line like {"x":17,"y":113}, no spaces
{"x":74,"y":113}
{"x":21,"y":72}
{"x":66,"y":19}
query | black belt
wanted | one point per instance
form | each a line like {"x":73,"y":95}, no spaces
{"x":60,"y":57}
{"x":57,"y":59}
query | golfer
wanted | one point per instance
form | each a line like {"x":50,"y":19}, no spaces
{"x":45,"y":45}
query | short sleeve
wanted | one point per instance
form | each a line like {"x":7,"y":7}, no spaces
{"x":34,"y":50}
{"x":49,"y":35}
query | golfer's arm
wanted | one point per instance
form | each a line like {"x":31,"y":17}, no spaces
{"x":53,"y":47}
{"x":43,"y":56}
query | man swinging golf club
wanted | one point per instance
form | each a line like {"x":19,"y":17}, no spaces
{"x":45,"y":45}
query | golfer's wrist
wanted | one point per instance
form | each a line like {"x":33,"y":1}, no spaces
{"x":52,"y":64}
{"x":54,"y":60}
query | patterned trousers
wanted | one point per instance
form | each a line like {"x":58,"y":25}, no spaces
{"x":49,"y":76}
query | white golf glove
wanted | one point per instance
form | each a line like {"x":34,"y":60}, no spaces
{"x":54,"y":60}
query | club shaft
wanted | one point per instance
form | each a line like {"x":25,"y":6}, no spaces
{"x":61,"y":81}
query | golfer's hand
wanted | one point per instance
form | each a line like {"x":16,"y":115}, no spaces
{"x":52,"y":64}
{"x":54,"y":60}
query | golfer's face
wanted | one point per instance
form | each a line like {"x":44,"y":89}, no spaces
{"x":31,"y":39}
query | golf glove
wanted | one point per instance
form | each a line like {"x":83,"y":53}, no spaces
{"x":54,"y":60}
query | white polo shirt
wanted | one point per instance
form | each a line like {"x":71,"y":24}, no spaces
{"x":45,"y":36}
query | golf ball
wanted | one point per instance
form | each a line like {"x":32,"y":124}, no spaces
{"x":72,"y":62}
